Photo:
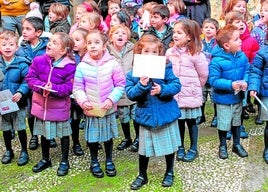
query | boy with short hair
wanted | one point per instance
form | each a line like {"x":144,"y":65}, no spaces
{"x":158,"y":17}
{"x":228,"y":76}
{"x":209,"y":29}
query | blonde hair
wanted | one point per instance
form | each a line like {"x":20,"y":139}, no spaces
{"x":178,"y":5}
{"x":120,"y":26}
{"x":232,"y":16}
{"x":60,"y":10}
{"x":8,"y":35}
{"x":93,"y":18}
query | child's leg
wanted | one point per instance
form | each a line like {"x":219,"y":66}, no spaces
{"x":64,"y":164}
{"x":265,"y":152}
{"x":223,"y":154}
{"x":94,"y":164}
{"x":8,"y":155}
{"x":75,"y":137}
{"x":201,"y":119}
{"x":127,"y":141}
{"x":33,"y":144}
{"x":243,"y":133}
{"x":181,"y":150}
{"x":142,"y":177}
{"x":135,"y":144}
{"x":168,"y":177}
{"x":214,"y":121}
{"x":237,"y":147}
{"x":24,"y":157}
{"x":110,"y":168}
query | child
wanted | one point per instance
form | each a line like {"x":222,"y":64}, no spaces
{"x":120,"y":17}
{"x":258,"y":85}
{"x":159,"y":134}
{"x":12,"y":14}
{"x":176,"y":11}
{"x":80,"y":49}
{"x":209,"y":29}
{"x":122,"y":49}
{"x":158,"y":17}
{"x":113,"y":7}
{"x":14,"y":70}
{"x":228,"y":73}
{"x":98,"y":85}
{"x":57,"y":19}
{"x":90,"y":21}
{"x":191,"y":66}
{"x":50,"y":77}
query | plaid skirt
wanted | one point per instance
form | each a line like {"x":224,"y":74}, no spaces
{"x":190,"y":113}
{"x":52,"y":129}
{"x":100,"y":129}
{"x":15,"y":120}
{"x":159,"y":142}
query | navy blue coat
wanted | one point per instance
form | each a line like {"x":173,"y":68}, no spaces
{"x":258,"y":77}
{"x":158,"y":110}
{"x":224,"y":69}
{"x":14,"y":78}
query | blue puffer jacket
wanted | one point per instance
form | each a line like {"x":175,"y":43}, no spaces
{"x":159,"y":110}
{"x":224,"y":69}
{"x":29,"y":53}
{"x":14,"y":78}
{"x":258,"y":78}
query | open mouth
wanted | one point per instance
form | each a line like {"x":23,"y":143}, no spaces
{"x":120,"y":39}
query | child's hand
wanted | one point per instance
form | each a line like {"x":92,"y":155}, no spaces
{"x":156,"y":89}
{"x":107,"y":104}
{"x":244,"y":86}
{"x":87,"y":106}
{"x":253,"y":93}
{"x":46,"y":92}
{"x":144,"y":80}
{"x":236,"y":85}
{"x":16,"y":97}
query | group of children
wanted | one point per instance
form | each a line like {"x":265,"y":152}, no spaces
{"x":84,"y":71}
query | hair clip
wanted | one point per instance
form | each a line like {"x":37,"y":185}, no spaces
{"x":88,"y":7}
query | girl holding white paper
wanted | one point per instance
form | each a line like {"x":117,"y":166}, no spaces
{"x":51,"y":79}
{"x":98,"y":85}
{"x":191,"y":66}
{"x":156,"y":112}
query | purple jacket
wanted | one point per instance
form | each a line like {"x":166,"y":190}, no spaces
{"x":55,"y":107}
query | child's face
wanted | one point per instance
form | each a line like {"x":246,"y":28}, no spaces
{"x":52,"y":17}
{"x":180,"y":38}
{"x":171,"y":8}
{"x":95,"y":46}
{"x":55,"y":48}
{"x":79,"y":41}
{"x":29,"y":33}
{"x":240,"y":25}
{"x":264,"y":13}
{"x":8,"y":48}
{"x":114,"y":20}
{"x":150,"y":49}
{"x":241,"y":7}
{"x":79,"y":12}
{"x":234,"y":44}
{"x":85,"y":24}
{"x":113,"y":8}
{"x":119,"y":38}
{"x":157,"y":21}
{"x":209,"y":30}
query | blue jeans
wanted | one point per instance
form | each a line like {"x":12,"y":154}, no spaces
{"x":12,"y":23}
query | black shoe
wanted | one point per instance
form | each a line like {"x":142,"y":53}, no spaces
{"x":124,"y":144}
{"x":52,"y":143}
{"x":63,"y":169}
{"x":96,"y":170}
{"x":200,"y":120}
{"x":239,"y":150}
{"x":180,"y":153}
{"x":250,"y":108}
{"x":223,"y":154}
{"x":139,"y":182}
{"x":7,"y":157}
{"x":78,"y":151}
{"x":214,"y":122}
{"x":265,"y":156}
{"x":135,"y":145}
{"x":23,"y":159}
{"x":258,"y":121}
{"x":33,"y":144}
{"x":168,"y":180}
{"x":110,"y":169}
{"x":42,"y":165}
{"x":190,"y":155}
